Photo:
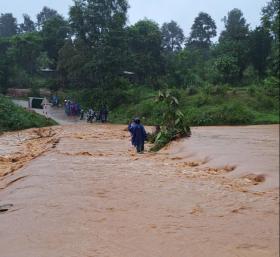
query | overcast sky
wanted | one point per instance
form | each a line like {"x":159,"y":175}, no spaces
{"x":182,"y":11}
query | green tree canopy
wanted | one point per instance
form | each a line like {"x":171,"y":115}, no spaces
{"x":54,"y":33}
{"x":28,"y":25}
{"x":260,"y":49}
{"x":172,"y":36}
{"x":45,"y":15}
{"x":4,"y":64}
{"x":24,"y":51}
{"x":8,"y":25}
{"x":234,"y":41}
{"x":236,"y":27}
{"x":225,"y":69}
{"x":202,"y":31}
{"x":99,"y":27}
{"x":92,"y":20}
{"x":270,"y":18}
{"x":96,"y":48}
{"x":271,"y":22}
{"x":145,"y":49}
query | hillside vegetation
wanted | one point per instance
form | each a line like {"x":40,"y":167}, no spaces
{"x":212,"y":105}
{"x":95,"y":57}
{"x":13,"y":117}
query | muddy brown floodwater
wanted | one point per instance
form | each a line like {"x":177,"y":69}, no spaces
{"x":81,"y":191}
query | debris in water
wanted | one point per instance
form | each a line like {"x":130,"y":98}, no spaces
{"x":5,"y":207}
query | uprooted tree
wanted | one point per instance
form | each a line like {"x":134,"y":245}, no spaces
{"x":173,"y":124}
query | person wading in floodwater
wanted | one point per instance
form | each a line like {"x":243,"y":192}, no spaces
{"x":139,"y":136}
{"x":130,"y":128}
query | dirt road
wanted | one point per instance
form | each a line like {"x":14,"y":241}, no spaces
{"x":83,"y":192}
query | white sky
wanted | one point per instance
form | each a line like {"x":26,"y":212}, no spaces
{"x":182,"y":11}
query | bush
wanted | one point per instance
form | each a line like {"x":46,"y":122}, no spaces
{"x":265,"y":102}
{"x":20,"y":79}
{"x":252,"y":90}
{"x":220,"y":90}
{"x":271,"y":86}
{"x":227,"y":114}
{"x":226,"y":69}
{"x":192,"y":91}
{"x":236,"y":114}
{"x":201,"y":100}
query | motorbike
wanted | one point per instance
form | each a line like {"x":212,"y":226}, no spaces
{"x":91,"y":116}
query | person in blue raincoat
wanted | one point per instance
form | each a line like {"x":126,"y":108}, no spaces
{"x":139,"y":136}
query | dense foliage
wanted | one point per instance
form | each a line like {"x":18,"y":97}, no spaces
{"x":210,"y":105}
{"x":13,"y":117}
{"x":95,"y":52}
{"x":173,"y":125}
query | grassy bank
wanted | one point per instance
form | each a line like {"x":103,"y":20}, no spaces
{"x":202,"y":106}
{"x":230,"y":106}
{"x":13,"y":117}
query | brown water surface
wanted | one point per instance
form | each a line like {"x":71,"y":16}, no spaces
{"x":251,"y":150}
{"x":83,"y":192}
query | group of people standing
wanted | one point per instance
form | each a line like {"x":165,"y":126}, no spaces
{"x":92,"y":115}
{"x":72,"y":108}
{"x":138,"y":134}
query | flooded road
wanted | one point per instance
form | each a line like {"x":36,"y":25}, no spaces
{"x":82,"y":191}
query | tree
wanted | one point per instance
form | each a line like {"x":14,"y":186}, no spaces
{"x":236,"y":27}
{"x":43,"y":61}
{"x":270,"y":22}
{"x":187,"y":68}
{"x":270,"y":18}
{"x":24,"y":51}
{"x":99,"y":25}
{"x":145,"y":50}
{"x":28,"y":25}
{"x":225,"y":69}
{"x":8,"y":25}
{"x":260,"y":49}
{"x":54,"y":33}
{"x":45,"y":15}
{"x":92,"y":20}
{"x":4,"y":64}
{"x":234,"y":40}
{"x":203,"y":29}
{"x":78,"y":20}
{"x":23,"y":54}
{"x":172,"y":36}
{"x":73,"y":64}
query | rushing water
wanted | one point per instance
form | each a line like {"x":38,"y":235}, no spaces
{"x":83,"y":192}
{"x":251,"y":149}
